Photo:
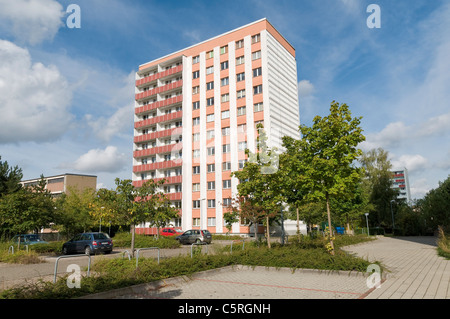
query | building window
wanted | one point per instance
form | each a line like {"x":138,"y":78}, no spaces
{"x":210,"y":101}
{"x":258,"y":107}
{"x":240,"y":94}
{"x":196,"y":105}
{"x":195,"y":74}
{"x":196,"y":59}
{"x":257,"y":89}
{"x":210,"y":70}
{"x":226,"y":131}
{"x":226,"y":202}
{"x":256,"y":38}
{"x":210,"y":134}
{"x":240,"y":77}
{"x":211,"y":221}
{"x":211,"y":186}
{"x":196,"y":222}
{"x":210,"y":54}
{"x":211,"y":203}
{"x":196,"y":170}
{"x":196,"y":121}
{"x":224,"y":49}
{"x":257,"y":72}
{"x":242,"y":163}
{"x":196,"y":153}
{"x":241,"y":110}
{"x":256,"y":55}
{"x":226,"y":148}
{"x":224,"y":65}
{"x":226,"y":166}
{"x":211,"y":168}
{"x":195,"y":90}
{"x":242,"y":146}
{"x":196,"y":187}
{"x":226,"y":184}
{"x":224,"y":81}
{"x":196,"y":137}
{"x":209,"y":86}
{"x":240,"y":60}
{"x":225,"y":114}
{"x":196,"y":204}
{"x":239,"y":44}
{"x":210,"y":117}
{"x":211,"y":151}
{"x":225,"y":98}
{"x":242,"y":128}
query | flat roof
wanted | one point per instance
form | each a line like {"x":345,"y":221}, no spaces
{"x":56,"y":176}
{"x":216,"y":37}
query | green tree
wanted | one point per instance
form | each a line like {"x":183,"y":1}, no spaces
{"x":377,"y":185}
{"x":329,"y":150}
{"x":436,"y":206}
{"x":260,"y":181}
{"x":10,"y":178}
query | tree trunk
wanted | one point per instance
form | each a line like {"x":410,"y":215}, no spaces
{"x":330,"y":229}
{"x":133,"y":231}
{"x":267,"y":230}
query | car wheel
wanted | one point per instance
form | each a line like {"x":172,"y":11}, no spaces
{"x":198,"y":241}
{"x":65,"y":251}
{"x":87,"y":250}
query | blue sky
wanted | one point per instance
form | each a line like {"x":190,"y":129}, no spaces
{"x":66,"y":94}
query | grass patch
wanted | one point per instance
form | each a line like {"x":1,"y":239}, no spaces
{"x":443,"y":244}
{"x":108,"y":274}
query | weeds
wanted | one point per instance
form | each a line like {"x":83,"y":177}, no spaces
{"x":443,"y":244}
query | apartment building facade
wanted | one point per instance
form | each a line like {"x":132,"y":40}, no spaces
{"x":400,"y":181}
{"x":63,"y":183}
{"x":196,"y":112}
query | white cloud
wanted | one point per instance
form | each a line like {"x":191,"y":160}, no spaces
{"x":98,"y":160}
{"x":107,"y":128}
{"x":34,"y":98}
{"x":305,"y":88}
{"x":411,"y":162}
{"x":31,"y":21}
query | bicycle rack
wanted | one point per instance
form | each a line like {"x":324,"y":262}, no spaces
{"x":11,"y":248}
{"x":137,"y":253}
{"x":192,"y":245}
{"x":69,"y":256}
{"x":129,"y":255}
{"x":243,"y":245}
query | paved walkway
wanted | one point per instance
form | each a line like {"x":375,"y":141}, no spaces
{"x":414,"y":271}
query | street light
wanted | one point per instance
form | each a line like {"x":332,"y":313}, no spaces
{"x":367,"y":222}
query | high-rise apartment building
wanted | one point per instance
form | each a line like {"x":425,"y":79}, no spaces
{"x":400,"y":181}
{"x":196,"y":112}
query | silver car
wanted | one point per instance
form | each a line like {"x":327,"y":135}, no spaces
{"x":195,"y":236}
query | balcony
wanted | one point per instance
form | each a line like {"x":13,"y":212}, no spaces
{"x":159,"y":75}
{"x":151,"y":136}
{"x":158,"y":104}
{"x":169,"y":180}
{"x":158,"y":90}
{"x":157,"y":165}
{"x":158,"y":119}
{"x":158,"y":150}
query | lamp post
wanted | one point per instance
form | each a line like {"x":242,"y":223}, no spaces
{"x":392,"y":213}
{"x":367,"y":222}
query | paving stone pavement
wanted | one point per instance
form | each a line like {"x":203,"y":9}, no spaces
{"x":414,"y":271}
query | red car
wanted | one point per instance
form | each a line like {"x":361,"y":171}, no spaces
{"x":170,"y":231}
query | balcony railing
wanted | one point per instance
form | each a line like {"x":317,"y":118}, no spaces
{"x":177,"y":131}
{"x":158,"y":104}
{"x":157,"y":165}
{"x":158,"y":119}
{"x":159,"y":75}
{"x":158,"y":90}
{"x":158,"y":150}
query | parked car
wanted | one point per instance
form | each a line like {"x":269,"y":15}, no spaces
{"x":170,"y":232}
{"x":195,"y":236}
{"x":88,"y":243}
{"x":28,"y":239}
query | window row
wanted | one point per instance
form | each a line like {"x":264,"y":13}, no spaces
{"x":226,"y":166}
{"x":225,"y":97}
{"x":224,"y":65}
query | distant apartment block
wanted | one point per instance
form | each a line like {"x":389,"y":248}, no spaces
{"x":59,"y":184}
{"x":400,"y":181}
{"x":196,"y":112}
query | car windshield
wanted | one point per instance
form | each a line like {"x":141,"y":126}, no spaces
{"x":205,"y":232}
{"x":101,"y":236}
{"x":32,"y":238}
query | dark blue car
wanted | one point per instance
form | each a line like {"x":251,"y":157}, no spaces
{"x":88,"y":243}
